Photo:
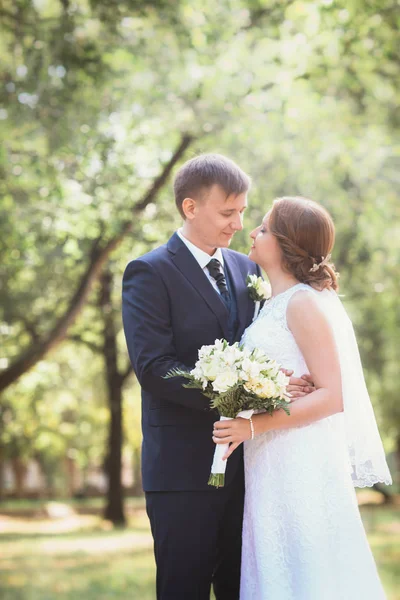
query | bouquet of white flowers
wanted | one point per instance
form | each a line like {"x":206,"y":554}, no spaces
{"x":238,"y":382}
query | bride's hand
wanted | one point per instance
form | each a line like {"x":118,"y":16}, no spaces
{"x":233,"y":432}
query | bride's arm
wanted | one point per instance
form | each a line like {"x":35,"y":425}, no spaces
{"x":314,"y":337}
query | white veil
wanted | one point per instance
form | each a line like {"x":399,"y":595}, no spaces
{"x":365,"y":448}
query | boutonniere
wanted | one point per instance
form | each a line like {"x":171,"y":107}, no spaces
{"x":259,"y":290}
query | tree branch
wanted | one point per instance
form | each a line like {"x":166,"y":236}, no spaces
{"x":30,"y":328}
{"x":98,"y":257}
{"x":91,"y":345}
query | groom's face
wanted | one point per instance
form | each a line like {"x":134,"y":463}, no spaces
{"x":214,"y":219}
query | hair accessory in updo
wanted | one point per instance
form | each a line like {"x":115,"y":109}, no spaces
{"x":323,"y":262}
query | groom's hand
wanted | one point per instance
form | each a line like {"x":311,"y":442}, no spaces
{"x":299,"y":386}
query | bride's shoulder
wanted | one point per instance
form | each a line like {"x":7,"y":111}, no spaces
{"x":305,"y":305}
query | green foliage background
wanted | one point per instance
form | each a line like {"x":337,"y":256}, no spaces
{"x":94,"y":101}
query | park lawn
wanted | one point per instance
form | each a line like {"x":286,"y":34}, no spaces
{"x":95,"y":562}
{"x":84,"y":559}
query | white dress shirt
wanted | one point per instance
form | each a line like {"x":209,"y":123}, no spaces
{"x":203,"y":258}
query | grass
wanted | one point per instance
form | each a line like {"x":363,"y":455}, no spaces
{"x":22,"y":505}
{"x":81,"y":557}
{"x":89,"y":561}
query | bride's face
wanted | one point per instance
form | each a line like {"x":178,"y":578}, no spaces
{"x":265,"y":250}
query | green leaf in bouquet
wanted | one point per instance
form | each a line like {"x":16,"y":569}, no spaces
{"x":193,"y":385}
{"x":178,"y":373}
{"x":284,"y":406}
{"x":228,"y":403}
{"x":270,"y":405}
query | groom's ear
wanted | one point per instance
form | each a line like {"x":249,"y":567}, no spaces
{"x":189,"y":208}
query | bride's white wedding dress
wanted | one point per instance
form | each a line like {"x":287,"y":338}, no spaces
{"x":303,"y":538}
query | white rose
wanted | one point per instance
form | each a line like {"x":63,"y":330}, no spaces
{"x":205,"y":351}
{"x":224,"y":381}
{"x":268,"y":389}
{"x":210,"y":370}
{"x":281,"y":379}
{"x":272,"y":368}
{"x":245,"y":369}
{"x":231,"y":355}
{"x":253,"y":385}
{"x":197,"y":372}
{"x":258,"y":355}
{"x":265,"y":289}
{"x":219,"y":345}
{"x":252,"y":281}
{"x":251,"y":368}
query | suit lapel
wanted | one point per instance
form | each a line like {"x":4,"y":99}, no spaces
{"x":190,"y":268}
{"x":238,"y":279}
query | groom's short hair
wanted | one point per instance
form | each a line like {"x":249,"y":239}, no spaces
{"x":200,"y":173}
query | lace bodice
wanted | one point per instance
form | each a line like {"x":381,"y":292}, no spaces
{"x":270,"y":332}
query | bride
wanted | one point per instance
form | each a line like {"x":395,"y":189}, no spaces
{"x":303,"y":537}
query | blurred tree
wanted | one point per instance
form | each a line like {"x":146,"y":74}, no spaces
{"x":56,"y":415}
{"x":280,"y":46}
{"x":302,"y":94}
{"x":115,"y":381}
{"x":58,"y":80}
{"x":46,"y":336}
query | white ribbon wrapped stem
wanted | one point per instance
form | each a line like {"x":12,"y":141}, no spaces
{"x":218,"y":468}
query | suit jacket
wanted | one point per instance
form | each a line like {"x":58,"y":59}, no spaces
{"x":170,"y":309}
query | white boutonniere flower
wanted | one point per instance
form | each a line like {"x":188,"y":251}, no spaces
{"x":259,"y":290}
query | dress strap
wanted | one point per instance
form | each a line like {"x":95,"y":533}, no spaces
{"x":294,"y":289}
{"x":277,"y":306}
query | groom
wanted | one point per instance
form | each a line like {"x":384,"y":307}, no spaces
{"x":176,"y":298}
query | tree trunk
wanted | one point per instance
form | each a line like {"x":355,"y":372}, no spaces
{"x":137,"y":472}
{"x":115,"y":503}
{"x":2,"y":465}
{"x":71,"y":475}
{"x":19,"y":470}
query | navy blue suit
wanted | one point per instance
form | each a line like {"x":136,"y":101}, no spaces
{"x":170,"y":309}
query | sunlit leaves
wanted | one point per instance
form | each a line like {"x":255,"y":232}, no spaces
{"x":301,"y":94}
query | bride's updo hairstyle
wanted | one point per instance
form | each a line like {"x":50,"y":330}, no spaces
{"x":306,"y":235}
